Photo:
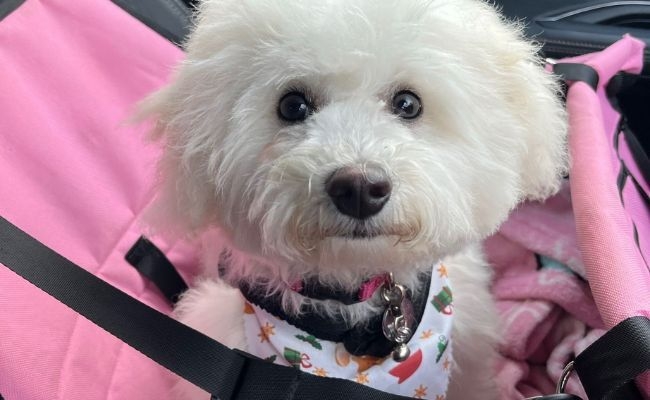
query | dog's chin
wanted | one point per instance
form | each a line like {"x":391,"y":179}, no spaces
{"x":370,"y":231}
{"x":367,"y":250}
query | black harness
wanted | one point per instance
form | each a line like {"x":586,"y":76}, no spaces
{"x":358,"y":339}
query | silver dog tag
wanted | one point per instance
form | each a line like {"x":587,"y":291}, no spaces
{"x":398,"y":318}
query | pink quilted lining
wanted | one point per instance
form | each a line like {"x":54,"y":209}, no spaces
{"x":77,"y":179}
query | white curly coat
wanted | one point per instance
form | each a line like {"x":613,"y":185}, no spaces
{"x":491,"y":134}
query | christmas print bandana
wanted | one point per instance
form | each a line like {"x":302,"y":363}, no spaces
{"x":424,"y":375}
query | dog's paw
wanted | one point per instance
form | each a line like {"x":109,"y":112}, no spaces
{"x":214,"y":309}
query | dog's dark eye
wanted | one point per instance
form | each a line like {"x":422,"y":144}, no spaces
{"x":406,"y":105}
{"x":294,"y":107}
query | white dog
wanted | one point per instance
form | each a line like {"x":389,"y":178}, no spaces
{"x":336,"y":142}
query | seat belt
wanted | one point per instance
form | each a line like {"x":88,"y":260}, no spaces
{"x":227,"y":374}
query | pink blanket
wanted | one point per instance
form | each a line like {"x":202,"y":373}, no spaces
{"x":548,"y":313}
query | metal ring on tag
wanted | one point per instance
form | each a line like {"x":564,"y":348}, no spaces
{"x":559,"y":389}
{"x":564,"y":378}
{"x":391,"y":280}
{"x":393,"y":295}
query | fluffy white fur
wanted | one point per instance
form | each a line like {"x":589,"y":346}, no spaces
{"x":491,"y":134}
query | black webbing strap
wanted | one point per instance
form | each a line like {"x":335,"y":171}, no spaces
{"x":573,"y":72}
{"x":153,"y":264}
{"x":228,"y":374}
{"x":608,"y":367}
{"x":171,"y":19}
{"x":638,"y":153}
{"x":6,"y":8}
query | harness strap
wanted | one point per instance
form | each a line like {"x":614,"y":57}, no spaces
{"x":360,"y":339}
{"x":152,"y":263}
{"x":227,"y":374}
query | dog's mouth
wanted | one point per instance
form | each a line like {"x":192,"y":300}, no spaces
{"x":362,"y":233}
{"x":369,"y":232}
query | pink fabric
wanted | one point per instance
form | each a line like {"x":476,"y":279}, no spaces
{"x":605,"y":233}
{"x":75,"y":177}
{"x":548,"y":313}
{"x":618,"y":274}
{"x":619,"y":279}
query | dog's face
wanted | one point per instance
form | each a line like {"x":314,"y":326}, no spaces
{"x":356,"y":134}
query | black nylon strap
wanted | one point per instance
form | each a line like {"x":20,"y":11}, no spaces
{"x":153,"y":264}
{"x":628,"y":391}
{"x":608,"y":367}
{"x":6,"y":8}
{"x":230,"y":375}
{"x":638,"y":152}
{"x":572,"y":72}
{"x":171,"y":19}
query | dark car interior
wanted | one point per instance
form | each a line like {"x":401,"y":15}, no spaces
{"x":574,"y":27}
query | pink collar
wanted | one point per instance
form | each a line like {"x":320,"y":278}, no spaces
{"x":314,"y":290}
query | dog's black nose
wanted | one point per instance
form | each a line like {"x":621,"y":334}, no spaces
{"x":359,"y":194}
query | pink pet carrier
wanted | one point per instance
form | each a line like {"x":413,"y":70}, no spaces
{"x":85,"y":298}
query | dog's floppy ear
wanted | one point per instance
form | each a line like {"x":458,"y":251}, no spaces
{"x":534,"y":96}
{"x":191,"y":116}
{"x":536,"y":93}
{"x":528,"y":96}
{"x":185,"y":199}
